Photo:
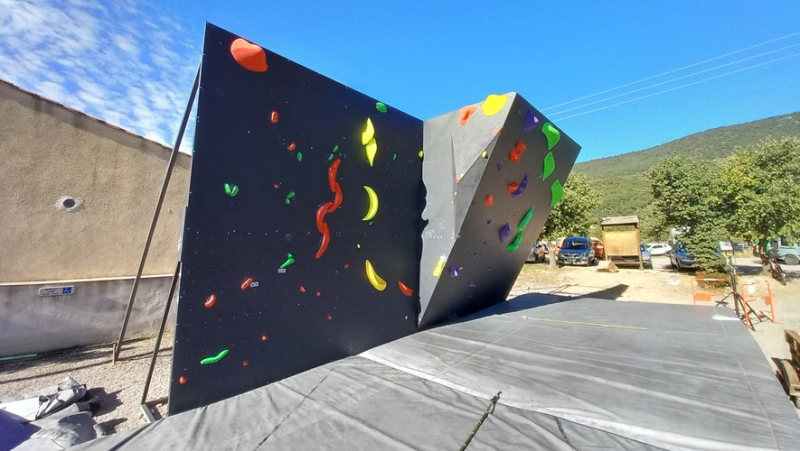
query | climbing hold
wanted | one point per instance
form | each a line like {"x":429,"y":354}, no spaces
{"x":519,"y":187}
{"x":368,"y":134}
{"x":249,"y":56}
{"x":302,"y":289}
{"x":273,"y":117}
{"x":499,"y":167}
{"x":453,"y":271}
{"x":394,"y":156}
{"x":549,"y":165}
{"x":405,"y":289}
{"x":437,"y":271}
{"x":319,"y":293}
{"x":245,"y":363}
{"x":372,"y":149}
{"x":214,"y":359}
{"x":264,"y":337}
{"x":485,"y":155}
{"x":182,"y":380}
{"x":421,"y":154}
{"x":374,"y":278}
{"x":330,"y":317}
{"x":289,"y":197}
{"x":515,"y":244}
{"x":512,"y":187}
{"x":489,"y":201}
{"x":381,"y":107}
{"x":525,"y":220}
{"x":552,"y":134}
{"x":246,"y":283}
{"x":556,"y":193}
{"x":289,"y":261}
{"x":493,"y":104}
{"x":231,"y":190}
{"x":210,"y":301}
{"x":373,"y":204}
{"x":530,"y":121}
{"x":299,"y":156}
{"x":496,"y":130}
{"x":505,"y":231}
{"x":472,"y":284}
{"x":517,"y":151}
{"x":328,"y":207}
{"x":466,"y":112}
{"x":291,"y":146}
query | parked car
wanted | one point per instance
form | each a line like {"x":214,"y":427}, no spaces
{"x":786,"y":252}
{"x":633,"y":260}
{"x":538,"y":253}
{"x":681,"y":258}
{"x":576,"y":250}
{"x":658,"y":248}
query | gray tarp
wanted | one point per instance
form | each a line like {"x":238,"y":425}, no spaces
{"x":577,"y":374}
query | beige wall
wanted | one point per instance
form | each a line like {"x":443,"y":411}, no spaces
{"x":48,"y":151}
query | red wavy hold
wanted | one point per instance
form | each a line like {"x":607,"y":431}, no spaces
{"x":328,"y":207}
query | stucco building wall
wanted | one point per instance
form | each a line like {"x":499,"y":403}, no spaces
{"x":49,"y":152}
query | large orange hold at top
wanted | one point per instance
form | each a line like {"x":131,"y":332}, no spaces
{"x":249,"y":56}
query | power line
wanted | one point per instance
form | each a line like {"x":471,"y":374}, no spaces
{"x":680,"y":87}
{"x":682,"y":77}
{"x":673,"y":71}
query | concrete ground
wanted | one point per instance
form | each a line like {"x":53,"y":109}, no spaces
{"x":119,"y":385}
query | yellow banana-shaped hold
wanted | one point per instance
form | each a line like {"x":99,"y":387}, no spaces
{"x":373,"y":204}
{"x":374,"y":278}
{"x":437,"y":271}
{"x":368,"y":133}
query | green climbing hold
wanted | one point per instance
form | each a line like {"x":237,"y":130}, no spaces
{"x":289,"y":261}
{"x":299,"y":156}
{"x":335,"y":149}
{"x":380,"y":106}
{"x":525,"y":220}
{"x":552,"y":134}
{"x":556,"y":193}
{"x":214,"y":359}
{"x":514,"y":245}
{"x":231,"y":190}
{"x":549,"y":165}
{"x":289,"y":197}
{"x":394,"y":156}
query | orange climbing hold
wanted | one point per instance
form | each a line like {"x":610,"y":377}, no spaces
{"x":249,"y":56}
{"x":466,"y":112}
{"x":210,"y":301}
{"x":291,"y":146}
{"x":405,"y":289}
{"x":245,"y":362}
{"x":246,"y":283}
{"x":273,"y":117}
{"x":182,"y":380}
{"x":489,"y":201}
{"x":319,"y":293}
{"x":302,"y":289}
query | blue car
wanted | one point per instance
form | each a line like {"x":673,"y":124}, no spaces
{"x":576,"y":250}
{"x":681,"y":258}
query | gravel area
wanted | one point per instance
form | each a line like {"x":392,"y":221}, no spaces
{"x":119,"y":385}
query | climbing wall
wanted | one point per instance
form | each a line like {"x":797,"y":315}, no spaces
{"x":302,"y":234}
{"x":493,"y":171}
{"x":321,"y":223}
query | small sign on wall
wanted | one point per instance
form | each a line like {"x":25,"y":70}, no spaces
{"x":57,"y":291}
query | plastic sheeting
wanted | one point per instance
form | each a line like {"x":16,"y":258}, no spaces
{"x":575,"y":374}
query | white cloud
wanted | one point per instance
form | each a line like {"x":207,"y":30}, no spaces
{"x":113,"y":60}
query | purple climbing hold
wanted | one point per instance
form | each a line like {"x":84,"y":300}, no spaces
{"x":505,"y":231}
{"x":453,"y":271}
{"x":499,"y":167}
{"x":489,"y":221}
{"x":530,"y":121}
{"x":522,"y":185}
{"x":472,"y":285}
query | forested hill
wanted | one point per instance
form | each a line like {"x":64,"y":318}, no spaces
{"x":619,"y":178}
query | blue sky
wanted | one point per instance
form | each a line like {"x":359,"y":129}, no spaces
{"x":131,"y":63}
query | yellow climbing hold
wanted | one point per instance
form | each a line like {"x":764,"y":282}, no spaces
{"x":368,"y":134}
{"x":372,"y":149}
{"x":374,"y":278}
{"x":373,"y":203}
{"x":437,"y":271}
{"x":493,"y":104}
{"x":485,"y":155}
{"x":421,"y":154}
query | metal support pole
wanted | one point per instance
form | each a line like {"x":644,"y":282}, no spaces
{"x":172,"y":158}
{"x":160,"y":332}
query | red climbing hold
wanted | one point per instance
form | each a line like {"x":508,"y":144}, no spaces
{"x":249,"y":56}
{"x":512,"y":187}
{"x":264,"y":337}
{"x":182,"y":380}
{"x":405,"y":289}
{"x":273,"y":117}
{"x":489,"y":201}
{"x":466,"y":112}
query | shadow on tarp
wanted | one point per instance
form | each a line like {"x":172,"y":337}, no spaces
{"x":534,"y":300}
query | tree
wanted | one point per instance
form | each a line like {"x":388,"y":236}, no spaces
{"x":572,"y":216}
{"x":761,"y":190}
{"x":686,"y":197}
{"x":652,"y":224}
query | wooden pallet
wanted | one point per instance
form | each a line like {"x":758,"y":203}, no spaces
{"x":788,"y":369}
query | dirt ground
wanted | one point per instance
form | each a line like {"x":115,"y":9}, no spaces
{"x":119,"y":386}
